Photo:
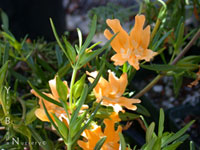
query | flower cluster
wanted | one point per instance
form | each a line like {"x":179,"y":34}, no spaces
{"x":131,"y":48}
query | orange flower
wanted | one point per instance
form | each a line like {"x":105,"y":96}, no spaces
{"x":52,"y":108}
{"x":94,"y":135}
{"x":111,"y":91}
{"x":133,"y":47}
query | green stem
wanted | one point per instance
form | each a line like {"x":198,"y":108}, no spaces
{"x":71,"y":86}
{"x":155,"y":28}
{"x":69,"y":146}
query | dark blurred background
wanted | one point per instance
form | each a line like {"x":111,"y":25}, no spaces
{"x":32,"y":17}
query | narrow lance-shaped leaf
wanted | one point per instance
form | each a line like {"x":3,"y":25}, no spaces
{"x":38,"y":138}
{"x":100,"y":143}
{"x":90,"y":55}
{"x":177,"y":134}
{"x":78,"y":87}
{"x":149,"y":132}
{"x":59,"y":42}
{"x":44,"y":96}
{"x":80,"y":104}
{"x":90,"y":36}
{"x":49,"y":117}
{"x":94,"y":83}
{"x":70,"y":51}
{"x":61,"y":127}
{"x":61,"y":89}
{"x":161,"y":123}
{"x":122,"y":142}
{"x":3,"y":71}
{"x":76,"y":137}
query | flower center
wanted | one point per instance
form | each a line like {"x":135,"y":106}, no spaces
{"x":126,"y":54}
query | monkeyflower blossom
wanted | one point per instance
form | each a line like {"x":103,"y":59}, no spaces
{"x":52,"y":108}
{"x":133,"y":47}
{"x":111,"y":91}
{"x":94,"y":135}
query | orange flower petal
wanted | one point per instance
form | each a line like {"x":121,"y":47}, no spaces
{"x":145,"y":37}
{"x":120,"y":40}
{"x":118,"y":85}
{"x":40,"y":113}
{"x":135,"y":34}
{"x":149,"y":54}
{"x":134,"y":62}
{"x":118,"y":59}
{"x":128,"y":102}
{"x":52,"y":85}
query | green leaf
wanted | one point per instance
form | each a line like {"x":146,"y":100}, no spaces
{"x":45,"y":65}
{"x":80,"y":104}
{"x":76,"y":137}
{"x":177,"y":134}
{"x":150,"y":144}
{"x":78,"y":123}
{"x":128,"y":116}
{"x":172,"y":146}
{"x":89,"y":37}
{"x":177,"y":82}
{"x":61,"y":89}
{"x":94,"y":83}
{"x":149,"y":132}
{"x":59,"y":42}
{"x":192,"y":59}
{"x":24,"y":130}
{"x":61,"y":127}
{"x":4,"y":19}
{"x":90,"y":55}
{"x":58,"y":56}
{"x":179,"y":40}
{"x":13,"y":42}
{"x":100,"y":143}
{"x":93,"y":46}
{"x":30,"y":116}
{"x":70,"y":51}
{"x":44,"y":96}
{"x":142,"y":110}
{"x":6,"y":53}
{"x":161,"y":123}
{"x":49,"y":117}
{"x":62,"y":71}
{"x":159,"y":67}
{"x":157,"y":145}
{"x":158,"y":43}
{"x":78,"y":87}
{"x":39,"y":139}
{"x":3,"y":71}
{"x":122,"y":142}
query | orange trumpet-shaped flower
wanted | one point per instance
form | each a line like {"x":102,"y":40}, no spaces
{"x":133,"y":47}
{"x":111,"y":91}
{"x":52,"y":108}
{"x":94,"y":135}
